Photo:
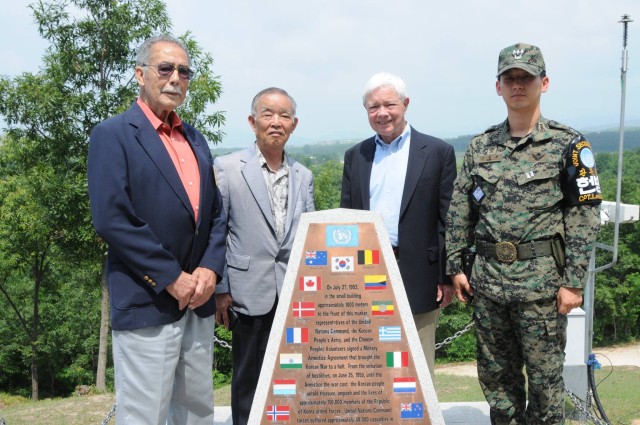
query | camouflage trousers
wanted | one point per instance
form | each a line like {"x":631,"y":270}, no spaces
{"x":513,"y":336}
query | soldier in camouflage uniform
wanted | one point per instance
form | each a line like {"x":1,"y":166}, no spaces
{"x":527,"y":199}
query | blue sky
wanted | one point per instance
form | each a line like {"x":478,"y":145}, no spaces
{"x":323,"y":52}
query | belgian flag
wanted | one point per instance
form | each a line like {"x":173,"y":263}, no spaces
{"x":368,"y":256}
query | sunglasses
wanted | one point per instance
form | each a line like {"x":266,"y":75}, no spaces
{"x":166,"y":69}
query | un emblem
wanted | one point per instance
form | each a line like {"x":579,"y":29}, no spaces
{"x":342,"y":236}
{"x":517,"y":53}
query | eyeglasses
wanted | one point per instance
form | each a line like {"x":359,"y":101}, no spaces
{"x":166,"y":69}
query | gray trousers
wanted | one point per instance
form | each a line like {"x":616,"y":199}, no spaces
{"x":163,"y":374}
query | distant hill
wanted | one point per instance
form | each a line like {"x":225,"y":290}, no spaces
{"x":602,"y":141}
{"x":609,"y":140}
{"x":320,"y":151}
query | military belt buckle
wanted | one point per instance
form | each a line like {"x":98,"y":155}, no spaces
{"x":506,"y":252}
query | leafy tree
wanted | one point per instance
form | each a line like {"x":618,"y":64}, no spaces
{"x":453,"y":319}
{"x":327,"y":184}
{"x":222,"y":359}
{"x":616,"y":303}
{"x":45,"y":224}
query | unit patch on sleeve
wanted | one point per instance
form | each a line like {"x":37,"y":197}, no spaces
{"x":581,"y":185}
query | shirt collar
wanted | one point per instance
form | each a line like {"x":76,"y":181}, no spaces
{"x":539,"y":133}
{"x":397,"y":143}
{"x":263,"y":161}
{"x":156,"y":122}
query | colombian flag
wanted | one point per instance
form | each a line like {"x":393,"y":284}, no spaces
{"x":375,"y":282}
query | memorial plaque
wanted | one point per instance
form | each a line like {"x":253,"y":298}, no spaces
{"x":344,"y":347}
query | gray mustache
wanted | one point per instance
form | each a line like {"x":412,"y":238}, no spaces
{"x":176,"y":91}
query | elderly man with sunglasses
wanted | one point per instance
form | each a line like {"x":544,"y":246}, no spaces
{"x":155,"y":201}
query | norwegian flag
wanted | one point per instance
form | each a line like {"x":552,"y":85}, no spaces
{"x":304,"y":309}
{"x":278,"y":413}
{"x":310,"y":283}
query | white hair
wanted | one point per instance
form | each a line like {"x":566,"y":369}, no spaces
{"x":384,"y":79}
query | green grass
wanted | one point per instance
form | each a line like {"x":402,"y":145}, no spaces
{"x":619,"y":392}
{"x":222,"y":396}
{"x":76,"y":410}
{"x":618,"y":388}
{"x":453,"y":388}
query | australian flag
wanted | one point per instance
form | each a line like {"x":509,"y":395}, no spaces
{"x":315,"y":258}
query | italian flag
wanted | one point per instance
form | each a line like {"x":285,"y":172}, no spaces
{"x":397,"y":359}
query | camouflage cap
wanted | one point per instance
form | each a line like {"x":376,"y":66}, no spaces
{"x":523,"y":56}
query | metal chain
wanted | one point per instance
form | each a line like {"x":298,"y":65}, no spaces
{"x":579,"y":405}
{"x":456,"y":335}
{"x":221,"y":342}
{"x":110,"y":415}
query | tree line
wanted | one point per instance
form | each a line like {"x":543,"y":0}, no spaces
{"x":53,"y":321}
{"x":54,"y":329}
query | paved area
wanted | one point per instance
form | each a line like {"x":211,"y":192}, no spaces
{"x":469,"y":413}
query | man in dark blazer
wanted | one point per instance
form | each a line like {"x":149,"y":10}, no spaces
{"x":155,"y":202}
{"x":424,"y":167}
{"x":264,"y":193}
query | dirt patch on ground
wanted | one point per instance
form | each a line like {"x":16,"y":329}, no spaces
{"x":622,"y":355}
{"x":458,"y":369}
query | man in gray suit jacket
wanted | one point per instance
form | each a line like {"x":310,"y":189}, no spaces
{"x":264,"y":192}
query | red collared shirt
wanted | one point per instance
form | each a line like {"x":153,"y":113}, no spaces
{"x":180,"y":152}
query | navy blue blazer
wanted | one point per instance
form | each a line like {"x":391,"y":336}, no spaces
{"x":426,"y":195}
{"x":141,"y":209}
